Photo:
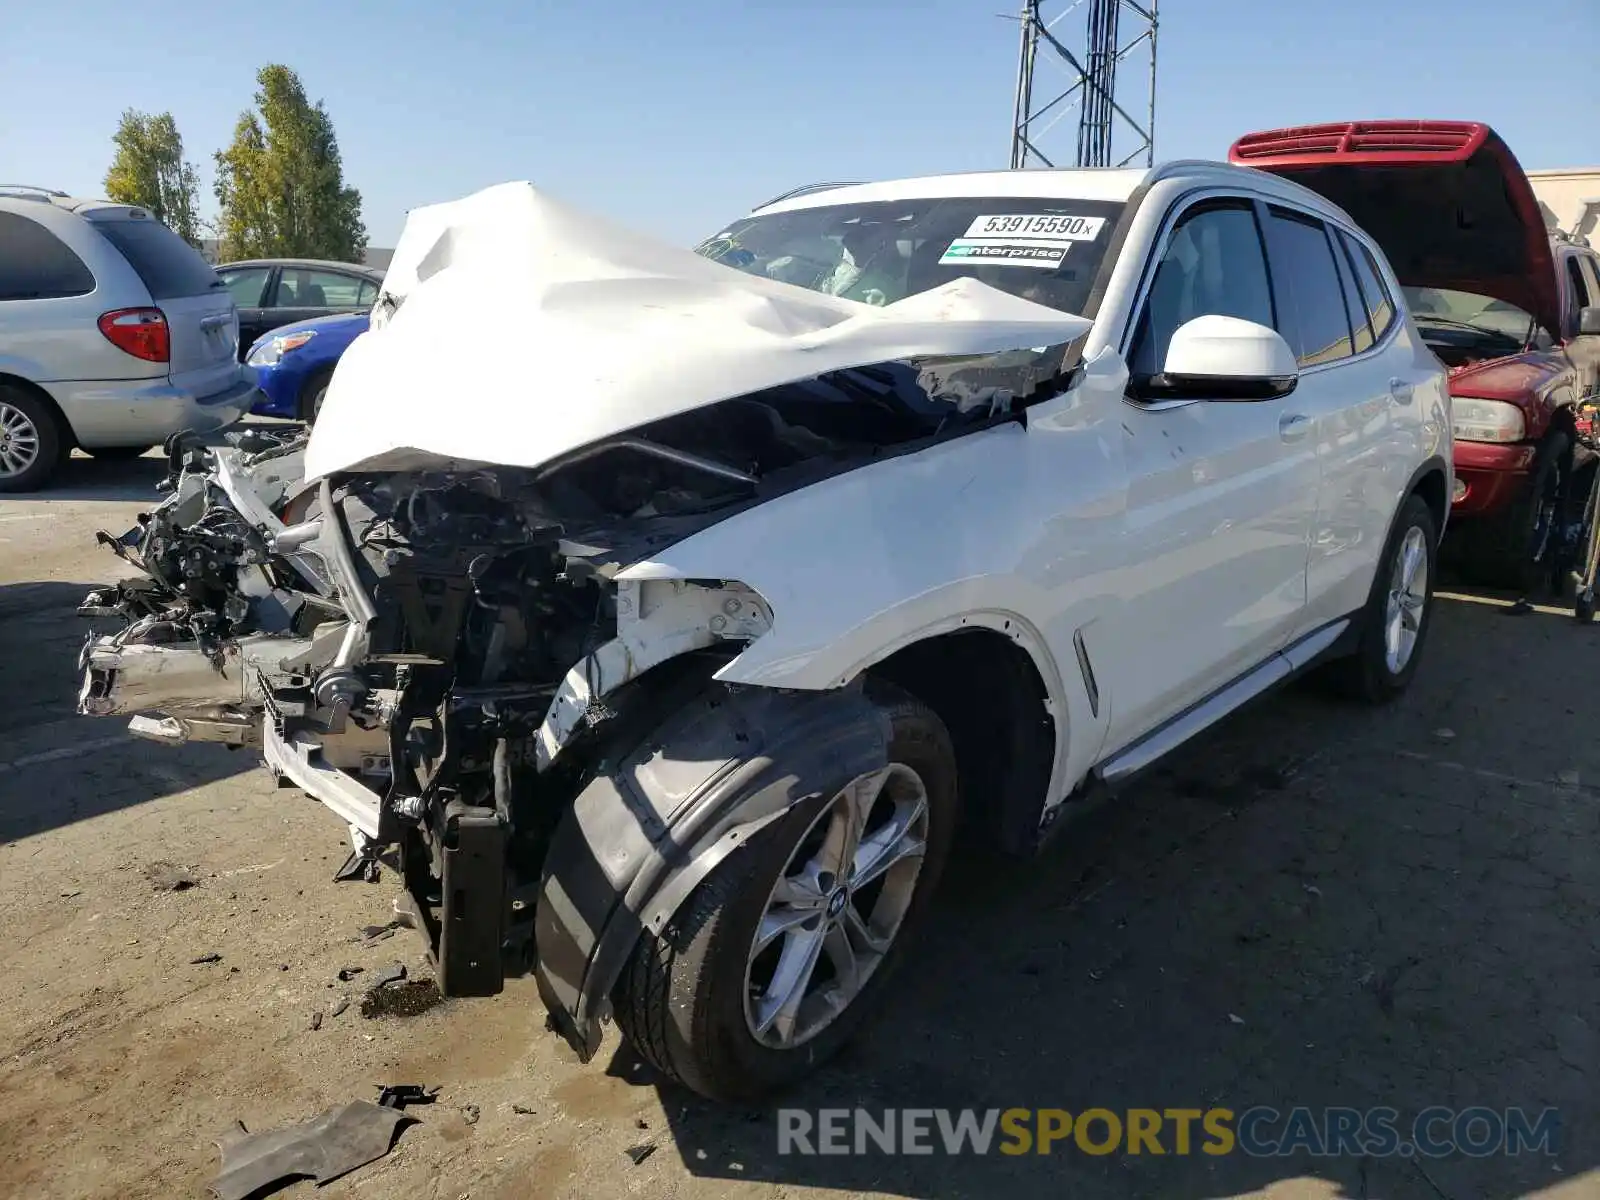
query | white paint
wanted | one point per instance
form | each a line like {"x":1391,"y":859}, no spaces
{"x":1178,"y":537}
{"x":1214,"y":347}
{"x":521,"y":308}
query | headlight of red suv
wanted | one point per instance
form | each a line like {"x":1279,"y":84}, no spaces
{"x":1474,"y":420}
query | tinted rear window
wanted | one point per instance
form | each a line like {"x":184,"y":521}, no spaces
{"x":167,"y":264}
{"x":37,"y":265}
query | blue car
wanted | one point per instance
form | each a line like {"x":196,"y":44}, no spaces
{"x":293,"y":363}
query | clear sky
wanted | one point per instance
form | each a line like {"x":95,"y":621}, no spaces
{"x":674,"y":117}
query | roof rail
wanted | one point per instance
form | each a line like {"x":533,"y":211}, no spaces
{"x":28,"y":187}
{"x":806,"y":191}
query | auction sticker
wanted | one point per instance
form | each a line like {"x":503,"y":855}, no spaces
{"x":1005,"y":252}
{"x":1028,"y":226}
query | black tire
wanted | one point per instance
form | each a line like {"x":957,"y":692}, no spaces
{"x":54,"y":440}
{"x":311,"y":394}
{"x":118,"y":453}
{"x":1365,"y":675}
{"x":1498,"y":550}
{"x":681,"y":998}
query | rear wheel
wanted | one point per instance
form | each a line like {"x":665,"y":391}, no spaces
{"x":1394,"y":623}
{"x":33,"y":440}
{"x":779,"y":957}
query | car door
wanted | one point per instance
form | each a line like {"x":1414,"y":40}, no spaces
{"x":249,"y":287}
{"x":1221,"y":494}
{"x":1347,"y":387}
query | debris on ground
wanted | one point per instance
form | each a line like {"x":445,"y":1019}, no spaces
{"x":1444,"y":735}
{"x":401,"y":999}
{"x":213,"y":957}
{"x":74,"y":892}
{"x":469,"y":1113}
{"x":640,"y":1152}
{"x":371,"y":934}
{"x":522,"y":1110}
{"x":1235,"y":1019}
{"x":316,"y":1021}
{"x":168,"y":877}
{"x":398,"y":1095}
{"x":346,"y":974}
{"x":358,"y":867}
{"x":641,"y":1123}
{"x":393,"y":973}
{"x":342,"y":1004}
{"x":324,"y":1148}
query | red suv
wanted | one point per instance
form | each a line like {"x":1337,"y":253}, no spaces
{"x":1513,"y":312}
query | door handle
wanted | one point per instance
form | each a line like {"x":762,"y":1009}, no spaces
{"x":1293,"y":426}
{"x":1400,"y":390}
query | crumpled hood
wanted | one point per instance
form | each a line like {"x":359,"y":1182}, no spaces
{"x":527,"y":329}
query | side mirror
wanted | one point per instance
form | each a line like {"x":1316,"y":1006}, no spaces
{"x":1226,"y":358}
{"x":1589,"y":321}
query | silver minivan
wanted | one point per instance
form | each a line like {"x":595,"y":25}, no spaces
{"x":114,"y":334}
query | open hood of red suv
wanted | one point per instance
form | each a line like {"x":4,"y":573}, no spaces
{"x":1447,"y":201}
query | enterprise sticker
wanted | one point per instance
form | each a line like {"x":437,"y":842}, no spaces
{"x":1027,"y":226}
{"x":1005,"y":252}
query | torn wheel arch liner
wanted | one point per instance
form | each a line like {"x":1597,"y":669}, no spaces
{"x":644,"y":834}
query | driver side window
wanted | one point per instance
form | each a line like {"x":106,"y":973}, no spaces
{"x":1213,"y":265}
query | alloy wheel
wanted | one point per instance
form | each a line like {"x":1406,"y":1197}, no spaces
{"x":1408,"y":598}
{"x":837,"y":906}
{"x":19,"y":440}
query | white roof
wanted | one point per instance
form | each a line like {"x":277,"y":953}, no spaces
{"x":1088,"y":184}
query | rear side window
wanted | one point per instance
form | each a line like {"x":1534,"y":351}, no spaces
{"x":1354,"y":306}
{"x":168,"y":265}
{"x":1580,"y":290}
{"x":37,"y":265}
{"x":1212,"y":266}
{"x":369,"y":295}
{"x":1312,"y":316}
{"x":302,"y":288}
{"x":1374,"y":295}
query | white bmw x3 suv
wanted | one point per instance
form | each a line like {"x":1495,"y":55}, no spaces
{"x":656,"y":614}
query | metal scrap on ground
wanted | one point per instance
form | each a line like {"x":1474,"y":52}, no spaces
{"x":324,"y":1148}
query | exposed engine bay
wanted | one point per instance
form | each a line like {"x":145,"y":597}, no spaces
{"x":442,"y":657}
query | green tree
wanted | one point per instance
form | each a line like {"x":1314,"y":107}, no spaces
{"x":148,"y":170}
{"x":280,"y":183}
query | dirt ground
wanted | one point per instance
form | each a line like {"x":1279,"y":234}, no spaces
{"x":1315,"y":905}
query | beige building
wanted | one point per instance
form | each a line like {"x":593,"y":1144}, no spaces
{"x":1570,"y":198}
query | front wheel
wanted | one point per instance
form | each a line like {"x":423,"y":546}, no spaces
{"x":1394,"y":622}
{"x":778,"y":958}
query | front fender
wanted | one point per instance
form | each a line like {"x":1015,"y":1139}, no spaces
{"x":657,"y":820}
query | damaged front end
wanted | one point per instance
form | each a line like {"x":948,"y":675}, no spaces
{"x":436,"y":657}
{"x":477,"y":667}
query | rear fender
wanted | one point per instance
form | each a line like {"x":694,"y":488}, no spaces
{"x":657,"y":820}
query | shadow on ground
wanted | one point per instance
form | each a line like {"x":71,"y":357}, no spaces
{"x":1315,"y":905}
{"x":55,"y":766}
{"x":93,"y":479}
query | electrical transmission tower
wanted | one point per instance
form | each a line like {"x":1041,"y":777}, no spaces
{"x":1116,"y":29}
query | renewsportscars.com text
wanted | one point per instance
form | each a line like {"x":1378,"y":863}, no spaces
{"x":1259,"y":1131}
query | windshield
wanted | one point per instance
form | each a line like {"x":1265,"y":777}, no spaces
{"x":1045,"y":250}
{"x":1471,"y":313}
